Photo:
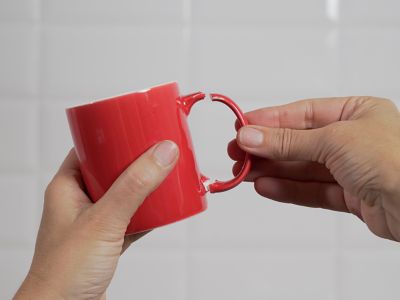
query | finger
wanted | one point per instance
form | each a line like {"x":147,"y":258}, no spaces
{"x":66,"y":183}
{"x":131,"y":238}
{"x":71,"y":162}
{"x":282,"y":143}
{"x":294,"y":170}
{"x":303,"y":114}
{"x":235,"y":152}
{"x":311,"y":194}
{"x":140,"y":179}
{"x":69,"y":170}
{"x":377,"y":218}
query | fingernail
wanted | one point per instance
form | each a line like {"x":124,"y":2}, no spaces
{"x":250,"y":137}
{"x":165,"y":153}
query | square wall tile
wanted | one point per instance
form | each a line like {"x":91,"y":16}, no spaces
{"x":369,"y":276}
{"x":102,"y":12}
{"x":18,"y":11}
{"x":100,"y":62}
{"x":18,"y":60}
{"x":262,"y":61}
{"x":257,"y":275}
{"x":241,"y":219}
{"x":231,"y":13}
{"x":370,"y":13}
{"x":150,"y":275}
{"x":18,"y":218}
{"x":19,"y":133}
{"x":369,"y":63}
{"x":15,"y":263}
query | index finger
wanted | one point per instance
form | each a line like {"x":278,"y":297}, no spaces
{"x":303,"y":114}
{"x":69,"y":171}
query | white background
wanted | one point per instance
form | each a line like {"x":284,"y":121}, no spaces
{"x":54,"y":54}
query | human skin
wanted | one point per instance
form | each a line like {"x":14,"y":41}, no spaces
{"x":341,"y":154}
{"x":79,"y":243}
{"x":338,"y":153}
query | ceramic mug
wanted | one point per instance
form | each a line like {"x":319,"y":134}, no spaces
{"x":110,"y":134}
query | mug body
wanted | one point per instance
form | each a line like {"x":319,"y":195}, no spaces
{"x":110,"y":134}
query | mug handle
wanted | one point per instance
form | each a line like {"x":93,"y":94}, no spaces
{"x":220,"y":186}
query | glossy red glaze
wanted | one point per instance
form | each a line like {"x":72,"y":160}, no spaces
{"x":221,"y":186}
{"x":110,"y":134}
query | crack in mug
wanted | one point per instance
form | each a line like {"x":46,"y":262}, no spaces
{"x":110,"y":134}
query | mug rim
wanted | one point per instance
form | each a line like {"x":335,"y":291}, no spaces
{"x":115,"y":98}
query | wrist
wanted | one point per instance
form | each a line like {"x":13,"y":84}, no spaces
{"x":35,"y":288}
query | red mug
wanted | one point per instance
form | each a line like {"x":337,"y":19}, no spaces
{"x":110,"y":134}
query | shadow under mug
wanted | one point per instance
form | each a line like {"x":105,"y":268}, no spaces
{"x":110,"y":134}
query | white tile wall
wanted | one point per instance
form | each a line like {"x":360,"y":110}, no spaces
{"x":367,"y":60}
{"x":261,"y":275}
{"x":18,"y":59}
{"x":274,"y":58}
{"x":370,"y":12}
{"x":366,"y":276}
{"x":241,"y":219}
{"x":21,"y":11}
{"x":19,"y":134}
{"x":55,"y":142}
{"x":17,"y":210}
{"x":110,"y":60}
{"x":100,"y":12}
{"x":55,"y":54}
{"x":255,"y":12}
{"x":151,"y":274}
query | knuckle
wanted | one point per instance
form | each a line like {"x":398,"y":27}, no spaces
{"x":53,"y":194}
{"x":283,"y":143}
{"x":358,"y":100}
{"x":366,"y":103}
{"x":378,"y":100}
{"x":386,"y":102}
{"x":51,"y":189}
{"x":140,"y":181}
{"x":355,"y":107}
{"x":308,"y":114}
{"x":375,"y":101}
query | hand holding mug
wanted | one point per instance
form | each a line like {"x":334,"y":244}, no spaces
{"x":337,"y":153}
{"x":118,"y":162}
{"x":79,"y":243}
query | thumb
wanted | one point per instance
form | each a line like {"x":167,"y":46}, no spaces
{"x":281,"y":143}
{"x":142,"y":177}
